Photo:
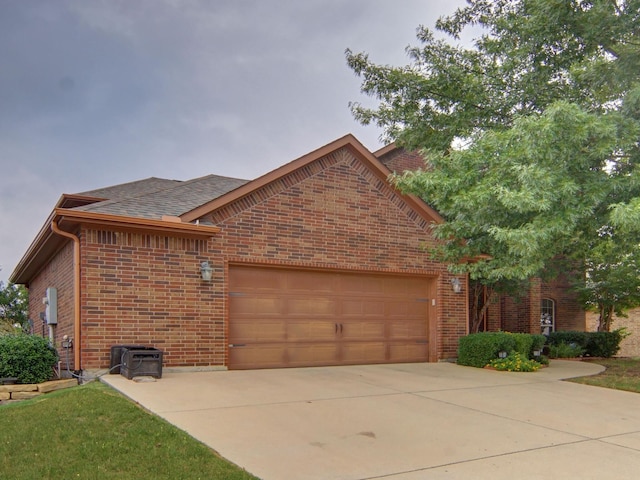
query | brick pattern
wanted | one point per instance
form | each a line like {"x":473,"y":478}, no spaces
{"x":57,"y":273}
{"x":334,"y":213}
{"x":338,"y":216}
{"x":569,"y":313}
{"x":399,"y":160}
{"x":630,"y":346}
{"x":147,"y":290}
{"x":523,"y":315}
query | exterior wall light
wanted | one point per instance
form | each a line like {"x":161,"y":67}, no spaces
{"x":206,"y":271}
{"x":456,"y":285}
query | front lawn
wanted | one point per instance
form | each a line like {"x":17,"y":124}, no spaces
{"x":92,"y":432}
{"x":620,"y":374}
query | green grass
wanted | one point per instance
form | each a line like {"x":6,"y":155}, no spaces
{"x":93,"y":432}
{"x":620,"y":374}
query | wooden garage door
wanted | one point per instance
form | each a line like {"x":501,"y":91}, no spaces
{"x":294,"y":318}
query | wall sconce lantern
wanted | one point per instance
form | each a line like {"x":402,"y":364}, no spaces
{"x":456,"y":285}
{"x":206,"y":271}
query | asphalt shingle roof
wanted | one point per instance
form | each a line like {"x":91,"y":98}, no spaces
{"x":155,"y":197}
{"x":130,"y":189}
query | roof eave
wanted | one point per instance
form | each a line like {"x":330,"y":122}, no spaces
{"x":47,"y":243}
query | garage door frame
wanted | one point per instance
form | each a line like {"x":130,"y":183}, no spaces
{"x":430,"y":285}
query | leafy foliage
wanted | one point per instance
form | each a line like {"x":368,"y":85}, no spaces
{"x":565,"y":350}
{"x":29,"y":358}
{"x":14,"y":307}
{"x":515,"y":362}
{"x":580,"y":339}
{"x":479,"y":349}
{"x":592,"y":344}
{"x":530,"y":141}
{"x":605,"y":344}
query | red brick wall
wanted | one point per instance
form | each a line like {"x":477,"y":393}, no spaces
{"x":523,"y":314}
{"x":399,"y":160}
{"x":569,"y":313}
{"x":336,"y":214}
{"x":630,"y":346}
{"x":146,"y":289}
{"x":58,"y":273}
{"x":333,"y":213}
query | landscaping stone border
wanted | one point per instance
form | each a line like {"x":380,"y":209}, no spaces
{"x":31,"y":390}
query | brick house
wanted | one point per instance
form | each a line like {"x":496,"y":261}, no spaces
{"x":319,"y":262}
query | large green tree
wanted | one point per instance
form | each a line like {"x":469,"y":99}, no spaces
{"x":14,"y":307}
{"x":530,"y":137}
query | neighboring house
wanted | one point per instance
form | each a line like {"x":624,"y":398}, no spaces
{"x":319,"y":262}
{"x":630,"y":346}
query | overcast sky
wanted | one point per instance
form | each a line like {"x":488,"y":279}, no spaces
{"x":100,"y":92}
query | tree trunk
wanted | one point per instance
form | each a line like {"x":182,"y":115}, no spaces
{"x":606,"y":318}
{"x":481,"y":301}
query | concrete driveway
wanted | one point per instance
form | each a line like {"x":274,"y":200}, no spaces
{"x":403,"y":422}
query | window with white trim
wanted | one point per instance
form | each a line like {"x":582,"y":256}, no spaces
{"x":547,"y":316}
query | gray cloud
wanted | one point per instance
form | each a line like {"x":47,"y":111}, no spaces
{"x":99,"y":92}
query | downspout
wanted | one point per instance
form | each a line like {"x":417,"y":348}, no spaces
{"x":76,"y":291}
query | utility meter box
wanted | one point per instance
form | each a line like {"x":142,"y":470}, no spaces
{"x":51,"y":306}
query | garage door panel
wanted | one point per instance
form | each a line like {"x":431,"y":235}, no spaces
{"x":408,"y":352}
{"x":406,"y":286}
{"x":256,"y":279}
{"x":306,"y":281}
{"x":311,"y":306}
{"x":289,"y":317}
{"x":369,"y":285}
{"x":363,"y":353}
{"x":258,"y":330}
{"x":409,"y":308}
{"x":309,"y":355}
{"x":264,"y":355}
{"x":305,"y":329}
{"x":407,"y":330}
{"x":240,"y":305}
{"x":362,"y":330}
{"x":362,"y":307}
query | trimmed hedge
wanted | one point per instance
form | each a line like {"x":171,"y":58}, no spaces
{"x":29,"y":358}
{"x":580,"y":339}
{"x":478,"y":349}
{"x":594,"y":344}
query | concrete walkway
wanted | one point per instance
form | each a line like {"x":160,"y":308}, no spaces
{"x":404,"y":422}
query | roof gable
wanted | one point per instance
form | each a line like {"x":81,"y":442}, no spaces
{"x":290,"y":173}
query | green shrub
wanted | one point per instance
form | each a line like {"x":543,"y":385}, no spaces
{"x":538,"y":342}
{"x":515,"y":362}
{"x":29,"y":358}
{"x":478,"y":349}
{"x":565,"y":350}
{"x":605,"y":344}
{"x":526,"y":343}
{"x":579,"y":338}
{"x":594,"y":344}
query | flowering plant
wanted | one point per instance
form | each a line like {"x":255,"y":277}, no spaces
{"x":515,"y":362}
